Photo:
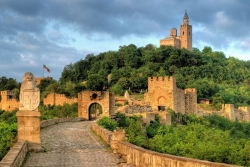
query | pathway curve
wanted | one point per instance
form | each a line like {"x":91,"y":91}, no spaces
{"x":71,"y":144}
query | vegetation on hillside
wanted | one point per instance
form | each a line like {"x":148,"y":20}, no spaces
{"x":220,"y":79}
{"x":8,"y":131}
{"x":211,"y":138}
{"x":51,"y":112}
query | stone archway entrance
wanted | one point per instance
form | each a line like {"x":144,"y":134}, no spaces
{"x":95,"y":111}
{"x":91,"y":103}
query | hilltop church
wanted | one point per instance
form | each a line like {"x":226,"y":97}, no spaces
{"x":185,"y":38}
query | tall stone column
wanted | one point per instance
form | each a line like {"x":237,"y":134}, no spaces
{"x":28,"y":117}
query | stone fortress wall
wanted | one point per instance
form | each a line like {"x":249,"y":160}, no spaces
{"x":58,"y":99}
{"x":242,"y":113}
{"x":163,"y":93}
{"x":137,"y":156}
{"x":87,"y":98}
{"x":8,"y":101}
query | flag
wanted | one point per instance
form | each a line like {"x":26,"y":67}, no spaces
{"x":44,"y":66}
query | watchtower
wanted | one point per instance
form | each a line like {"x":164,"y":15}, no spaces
{"x":186,"y":33}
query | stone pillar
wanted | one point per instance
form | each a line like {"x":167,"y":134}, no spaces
{"x":28,"y":117}
{"x":29,"y":129}
{"x":147,"y":117}
{"x":165,"y":118}
{"x":118,"y":135}
{"x":229,"y":109}
{"x":246,"y":113}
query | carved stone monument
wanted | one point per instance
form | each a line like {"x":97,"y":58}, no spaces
{"x":28,"y":115}
{"x":126,"y":95}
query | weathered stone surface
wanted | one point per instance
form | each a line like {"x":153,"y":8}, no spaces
{"x":72,"y":144}
{"x":58,"y":99}
{"x":182,"y":41}
{"x":137,"y":156}
{"x":138,"y":109}
{"x":29,"y":128}
{"x":15,"y":156}
{"x":87,"y":98}
{"x":29,"y":93}
{"x":8,"y":102}
{"x":163,"y":93}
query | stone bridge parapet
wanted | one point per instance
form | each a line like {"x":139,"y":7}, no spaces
{"x":138,"y":156}
{"x":17,"y":153}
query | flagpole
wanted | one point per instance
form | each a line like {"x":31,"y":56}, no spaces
{"x":43,"y":70}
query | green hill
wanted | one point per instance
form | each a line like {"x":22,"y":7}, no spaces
{"x":220,"y":79}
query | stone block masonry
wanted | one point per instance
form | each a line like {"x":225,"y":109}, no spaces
{"x":163,"y":93}
{"x":29,"y":128}
{"x":16,"y":155}
{"x":8,"y":102}
{"x":87,"y":98}
{"x":58,"y":99}
{"x":140,"y":157}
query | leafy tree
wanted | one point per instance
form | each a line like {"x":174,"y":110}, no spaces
{"x":124,"y":83}
{"x":95,"y":82}
{"x":107,"y":123}
{"x":207,"y":50}
{"x":117,"y":89}
{"x":45,"y":83}
{"x":136,"y":133}
{"x":8,"y":83}
{"x":67,"y":74}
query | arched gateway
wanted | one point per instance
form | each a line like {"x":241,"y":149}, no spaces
{"x":92,"y":104}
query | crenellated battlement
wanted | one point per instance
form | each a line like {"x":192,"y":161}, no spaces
{"x":163,"y":93}
{"x":161,"y":79}
{"x":11,"y":100}
{"x":8,"y":102}
{"x":227,"y":107}
{"x":58,"y":99}
{"x":7,"y":92}
{"x":190,"y":90}
{"x":166,"y":81}
{"x":60,"y":95}
{"x":244,"y":108}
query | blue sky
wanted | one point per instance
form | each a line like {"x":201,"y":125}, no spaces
{"x":59,"y":32}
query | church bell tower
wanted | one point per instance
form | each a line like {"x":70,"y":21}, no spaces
{"x":186,"y":33}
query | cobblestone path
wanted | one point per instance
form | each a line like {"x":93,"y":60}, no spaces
{"x":71,"y":144}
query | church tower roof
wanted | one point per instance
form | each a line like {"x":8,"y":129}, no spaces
{"x":185,"y":15}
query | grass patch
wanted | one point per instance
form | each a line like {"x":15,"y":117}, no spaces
{"x":207,"y":107}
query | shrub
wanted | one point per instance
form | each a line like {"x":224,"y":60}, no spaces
{"x":122,"y":120}
{"x":8,"y":117}
{"x":153,"y":127}
{"x":125,"y":103}
{"x":136,"y":133}
{"x":117,"y":89}
{"x":107,"y":123}
{"x":118,"y":104}
{"x":7,"y":137}
{"x":50,"y":112}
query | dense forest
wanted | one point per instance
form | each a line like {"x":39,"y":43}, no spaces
{"x":216,"y":77}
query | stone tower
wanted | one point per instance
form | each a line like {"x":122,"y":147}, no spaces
{"x":182,"y":41}
{"x":186,"y":33}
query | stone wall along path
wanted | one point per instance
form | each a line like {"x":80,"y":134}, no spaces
{"x":71,"y":144}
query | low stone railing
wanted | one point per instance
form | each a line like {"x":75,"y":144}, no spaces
{"x":141,"y":157}
{"x":50,"y":122}
{"x":16,"y":155}
{"x":105,"y":134}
